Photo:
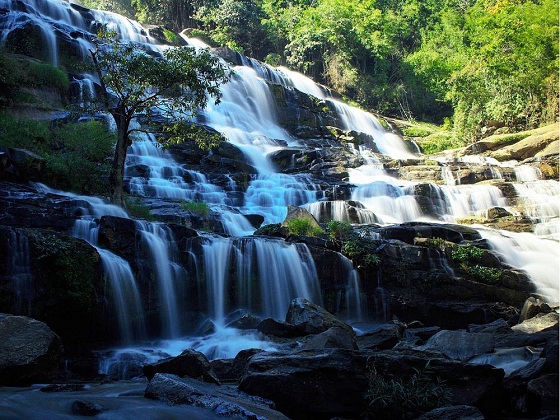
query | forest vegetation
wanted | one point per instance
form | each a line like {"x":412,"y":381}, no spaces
{"x":466,"y":64}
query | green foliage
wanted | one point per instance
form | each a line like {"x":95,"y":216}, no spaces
{"x":338,"y":230}
{"x":175,"y":86}
{"x":136,"y":209}
{"x":487,"y":275}
{"x":196,"y":207}
{"x":439,"y":142}
{"x":468,"y":256}
{"x":362,"y":251}
{"x":405,"y":398}
{"x":468,"y":253}
{"x":76,"y":153}
{"x":302,"y":227}
{"x":463,"y":63}
{"x":436,"y":243}
{"x":236,"y":24}
{"x":16,"y":73}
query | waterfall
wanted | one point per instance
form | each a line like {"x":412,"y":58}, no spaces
{"x":259,"y":274}
{"x":266,"y":275}
{"x":126,"y":296}
{"x":19,"y":271}
{"x":162,"y":250}
{"x":117,"y":271}
{"x":355,"y":305}
{"x":538,"y":257}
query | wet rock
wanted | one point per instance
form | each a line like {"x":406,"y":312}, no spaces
{"x":189,"y":363}
{"x":20,"y":165}
{"x":279,"y":328}
{"x":309,"y":384}
{"x":532,"y":308}
{"x":331,"y":383}
{"x":29,"y":351}
{"x":545,"y":391}
{"x":459,"y":412}
{"x":245,"y":322}
{"x":119,"y":235}
{"x":538,"y":323}
{"x":334,"y":337}
{"x":460,"y":345}
{"x":311,"y":318}
{"x":86,"y":408}
{"x":300,"y":213}
{"x":384,"y":337}
{"x":497,"y":212}
{"x":223,"y":401}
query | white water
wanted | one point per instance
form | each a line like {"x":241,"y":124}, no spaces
{"x":19,"y":272}
{"x":538,"y":257}
{"x":162,"y":250}
{"x":247,"y":118}
{"x":268,"y":273}
{"x":117,"y":271}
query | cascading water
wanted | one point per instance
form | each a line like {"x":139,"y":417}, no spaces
{"x":162,"y":250}
{"x":19,"y":271}
{"x":268,"y":274}
{"x":117,"y":271}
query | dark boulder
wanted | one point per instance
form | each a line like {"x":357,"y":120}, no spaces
{"x":277,"y":328}
{"x":189,"y":363}
{"x":311,"y":318}
{"x":334,"y":337}
{"x":29,"y":351}
{"x":329,"y":383}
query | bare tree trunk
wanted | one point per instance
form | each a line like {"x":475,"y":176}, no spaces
{"x":116,"y":177}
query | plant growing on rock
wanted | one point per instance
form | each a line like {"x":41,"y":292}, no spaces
{"x":468,"y":256}
{"x":362,"y":251}
{"x":405,"y":398}
{"x":196,"y":207}
{"x":174,"y":85}
{"x":302,"y":227}
{"x":338,"y":230}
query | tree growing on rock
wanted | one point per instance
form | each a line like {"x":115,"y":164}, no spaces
{"x":170,"y":87}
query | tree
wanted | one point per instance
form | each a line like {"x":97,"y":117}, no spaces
{"x":172,"y":86}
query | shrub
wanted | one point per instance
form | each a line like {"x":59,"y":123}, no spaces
{"x":467,"y":255}
{"x":338,"y":230}
{"x":464,"y":254}
{"x":303,"y":227}
{"x":362,"y":251}
{"x":76,"y":154}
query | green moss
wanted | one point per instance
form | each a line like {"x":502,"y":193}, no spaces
{"x":171,"y":37}
{"x":68,"y":267}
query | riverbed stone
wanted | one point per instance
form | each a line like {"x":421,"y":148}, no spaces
{"x":190,"y":363}
{"x":29,"y":351}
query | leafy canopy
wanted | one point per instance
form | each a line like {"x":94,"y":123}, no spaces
{"x":176,"y":83}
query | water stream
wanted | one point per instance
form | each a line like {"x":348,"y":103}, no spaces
{"x":268,"y":273}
